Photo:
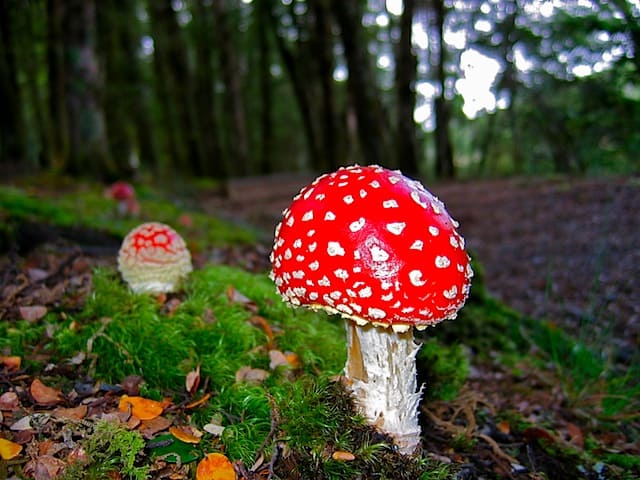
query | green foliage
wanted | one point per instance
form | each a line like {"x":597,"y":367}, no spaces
{"x":109,"y":448}
{"x":443,"y":369}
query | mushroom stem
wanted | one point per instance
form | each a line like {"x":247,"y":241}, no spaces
{"x":381,"y":375}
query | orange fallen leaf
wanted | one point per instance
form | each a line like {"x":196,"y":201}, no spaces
{"x":215,"y":466}
{"x":261,"y":322}
{"x":342,"y":456}
{"x":44,"y":395}
{"x":143,"y":408}
{"x":575,"y":434}
{"x":11,"y":363}
{"x":9,"y":449}
{"x":186,"y":434}
{"x":200,"y":401}
{"x":504,"y":427}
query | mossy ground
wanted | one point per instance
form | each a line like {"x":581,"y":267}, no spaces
{"x":299,"y":413}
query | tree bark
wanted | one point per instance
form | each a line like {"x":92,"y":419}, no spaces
{"x":57,"y":119}
{"x":444,"y":149}
{"x":12,"y":141}
{"x":371,"y":123}
{"x":234,"y":107}
{"x":89,"y":153}
{"x":406,"y":65}
{"x":266,"y":90}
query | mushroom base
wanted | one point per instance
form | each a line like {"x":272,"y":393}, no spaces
{"x":381,"y":375}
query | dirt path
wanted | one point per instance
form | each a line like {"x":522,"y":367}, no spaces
{"x":564,"y":249}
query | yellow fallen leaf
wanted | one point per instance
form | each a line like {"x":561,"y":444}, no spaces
{"x":342,"y":456}
{"x":215,"y":466}
{"x":143,"y":408}
{"x":9,"y":449}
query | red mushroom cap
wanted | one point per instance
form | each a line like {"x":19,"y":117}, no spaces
{"x":374,"y":246}
{"x":153,"y":258}
{"x":121,"y":191}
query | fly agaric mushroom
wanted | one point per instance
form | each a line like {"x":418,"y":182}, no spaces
{"x":379,"y":249}
{"x":125,"y":195}
{"x":154,"y":259}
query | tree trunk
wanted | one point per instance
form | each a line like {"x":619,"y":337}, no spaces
{"x":444,"y":148}
{"x":12,"y":141}
{"x":363,"y":92}
{"x":406,"y":65}
{"x":266,"y":90}
{"x":234,"y":108}
{"x":57,"y":121}
{"x":215,"y":163}
{"x":89,"y":153}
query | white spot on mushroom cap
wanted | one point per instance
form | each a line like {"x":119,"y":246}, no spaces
{"x":341,"y":273}
{"x":357,"y":225}
{"x":298,"y":274}
{"x":454,"y":241}
{"x":365,"y":292}
{"x":329,"y":216}
{"x":451,"y":293}
{"x":376,"y":313}
{"x":313,"y":266}
{"x":433,"y":230}
{"x":297,"y":243}
{"x":442,"y":261}
{"x":288,"y":254}
{"x":324,"y":282}
{"x":417,"y":245}
{"x":312,"y":247}
{"x":375,"y":184}
{"x":389,"y":204}
{"x":348,"y":199}
{"x":415,"y":196}
{"x":335,"y":249}
{"x":396,"y":227}
{"x":378,"y":254}
{"x":415,"y":277}
{"x":320,"y":197}
{"x":308,"y":216}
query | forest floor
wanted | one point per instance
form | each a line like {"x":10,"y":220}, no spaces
{"x":562,"y":250}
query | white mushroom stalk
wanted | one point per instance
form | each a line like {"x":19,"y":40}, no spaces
{"x":377,"y":248}
{"x":381,"y":373}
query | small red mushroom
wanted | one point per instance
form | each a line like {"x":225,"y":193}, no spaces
{"x":154,"y":259}
{"x":125,"y":195}
{"x":382,"y":251}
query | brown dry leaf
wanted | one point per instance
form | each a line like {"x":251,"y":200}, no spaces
{"x":148,"y":428}
{"x":12,"y":363}
{"x":342,"y":456}
{"x":186,"y":433}
{"x":251,"y":375}
{"x":9,"y":449}
{"x":261,"y":322}
{"x":140,"y":407}
{"x":575,"y":434}
{"x":9,"y":401}
{"x":235,"y":296}
{"x":215,"y":466}
{"x":33,"y":313}
{"x":75,"y":413}
{"x":193,"y":380}
{"x":277,"y":359}
{"x":44,"y":467}
{"x":44,"y":395}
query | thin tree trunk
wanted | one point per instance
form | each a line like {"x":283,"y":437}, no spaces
{"x":89,"y":152}
{"x":238,"y":136}
{"x":444,"y":148}
{"x":57,"y":122}
{"x":406,"y":65}
{"x":12,"y":141}
{"x":266,"y":90}
{"x":371,"y":124}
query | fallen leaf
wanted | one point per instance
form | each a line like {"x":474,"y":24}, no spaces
{"x":342,"y":456}
{"x":33,"y":313}
{"x":11,"y":363}
{"x":251,"y":375}
{"x":575,"y":434}
{"x":44,"y":395}
{"x":9,"y":449}
{"x":193,"y":380}
{"x":186,"y":434}
{"x":215,"y":466}
{"x":293,"y":359}
{"x":200,"y":401}
{"x":504,"y":427}
{"x":9,"y":401}
{"x":75,"y":413}
{"x":277,"y":359}
{"x":140,"y":407}
{"x":148,"y":428}
{"x":213,"y":429}
{"x":44,"y":467}
{"x":235,"y":296}
{"x":261,"y":322}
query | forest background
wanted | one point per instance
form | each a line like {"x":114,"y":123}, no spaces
{"x":227,"y":88}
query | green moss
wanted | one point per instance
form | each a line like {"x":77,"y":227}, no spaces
{"x":443,"y":369}
{"x":109,"y":449}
